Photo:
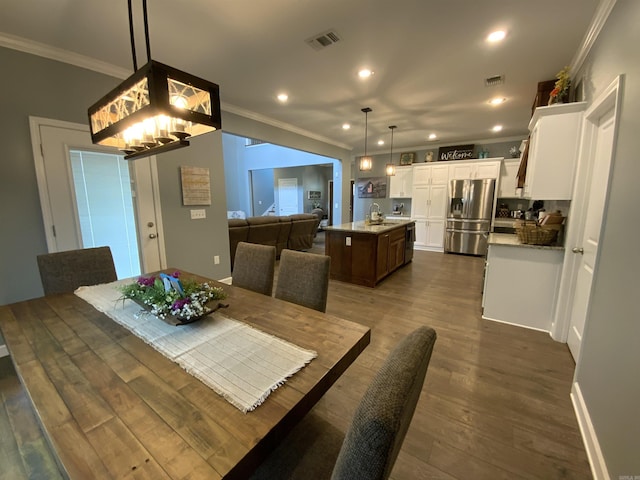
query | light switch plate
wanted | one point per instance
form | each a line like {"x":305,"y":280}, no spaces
{"x":198,"y":214}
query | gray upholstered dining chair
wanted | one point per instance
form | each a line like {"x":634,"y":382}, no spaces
{"x":253,"y":267}
{"x":303,"y":278}
{"x":63,"y":272}
{"x":316,"y":449}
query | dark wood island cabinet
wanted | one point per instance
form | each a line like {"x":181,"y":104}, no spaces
{"x":365,"y":254}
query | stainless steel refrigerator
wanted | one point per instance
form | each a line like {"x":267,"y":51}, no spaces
{"x":469,"y":216}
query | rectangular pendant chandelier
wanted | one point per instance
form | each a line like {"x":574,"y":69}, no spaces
{"x":155,"y":110}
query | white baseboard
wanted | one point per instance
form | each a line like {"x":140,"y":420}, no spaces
{"x":226,"y":280}
{"x":3,"y":351}
{"x":515,"y":324}
{"x":428,"y":249}
{"x":589,"y":437}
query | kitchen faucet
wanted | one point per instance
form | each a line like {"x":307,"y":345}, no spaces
{"x":378,"y":213}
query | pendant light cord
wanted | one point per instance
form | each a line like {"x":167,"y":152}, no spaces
{"x":146,"y":30}
{"x":365,"y":132}
{"x":133,"y":43}
{"x":146,"y":34}
{"x":391,"y":151}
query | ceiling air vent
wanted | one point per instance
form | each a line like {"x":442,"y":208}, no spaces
{"x":251,"y":142}
{"x":493,"y":81}
{"x":322,"y":40}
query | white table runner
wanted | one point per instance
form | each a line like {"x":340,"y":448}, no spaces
{"x":242,"y":364}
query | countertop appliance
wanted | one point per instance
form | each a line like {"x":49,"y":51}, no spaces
{"x":469,"y":216}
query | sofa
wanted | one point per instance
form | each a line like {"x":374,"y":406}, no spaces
{"x":295,"y":232}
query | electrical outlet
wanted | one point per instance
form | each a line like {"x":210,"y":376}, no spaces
{"x":198,"y":214}
{"x":348,"y":241}
{"x":216,"y":260}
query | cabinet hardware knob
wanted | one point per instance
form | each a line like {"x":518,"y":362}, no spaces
{"x":152,"y":235}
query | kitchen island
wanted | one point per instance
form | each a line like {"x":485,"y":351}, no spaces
{"x":521,"y":282}
{"x":364,"y":253}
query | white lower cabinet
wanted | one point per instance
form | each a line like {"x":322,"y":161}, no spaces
{"x":435,"y":234}
{"x":429,"y":234}
{"x":521,"y":285}
{"x":421,"y":233}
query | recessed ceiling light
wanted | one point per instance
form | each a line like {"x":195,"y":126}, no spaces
{"x":496,"y":36}
{"x":283,"y":97}
{"x":497,"y":128}
{"x":380,"y":142}
{"x":497,"y":100}
{"x":346,"y":126}
{"x":365,"y":73}
{"x":432,"y":136}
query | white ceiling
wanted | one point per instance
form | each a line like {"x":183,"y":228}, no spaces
{"x":430,"y":57}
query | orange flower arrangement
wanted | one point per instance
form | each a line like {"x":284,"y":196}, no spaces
{"x":561,"y":90}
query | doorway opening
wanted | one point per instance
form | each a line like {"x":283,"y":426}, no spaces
{"x":254,"y":170}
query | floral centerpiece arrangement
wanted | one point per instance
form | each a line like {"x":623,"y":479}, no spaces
{"x":165,"y":295}
{"x":561,"y":91}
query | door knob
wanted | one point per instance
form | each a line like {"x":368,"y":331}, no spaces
{"x":579,"y":250}
{"x":152,"y":235}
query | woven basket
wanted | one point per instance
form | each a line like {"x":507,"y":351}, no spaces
{"x":530,"y":233}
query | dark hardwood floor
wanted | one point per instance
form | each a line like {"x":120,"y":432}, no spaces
{"x":495,"y":404}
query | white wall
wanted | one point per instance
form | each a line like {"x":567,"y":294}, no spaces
{"x":32,"y":85}
{"x":607,"y":370}
{"x":191,"y":245}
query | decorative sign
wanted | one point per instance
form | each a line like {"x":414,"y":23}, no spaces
{"x":374,"y":187}
{"x":456,"y":152}
{"x":196,"y":186}
{"x":314,"y":195}
{"x":407,"y":158}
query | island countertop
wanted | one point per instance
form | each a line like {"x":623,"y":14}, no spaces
{"x":361,"y":227}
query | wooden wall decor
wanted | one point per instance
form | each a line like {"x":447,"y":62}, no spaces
{"x":196,"y":186}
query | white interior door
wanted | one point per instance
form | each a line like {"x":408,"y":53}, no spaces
{"x":287,"y":196}
{"x":590,"y":238}
{"x":90,"y":196}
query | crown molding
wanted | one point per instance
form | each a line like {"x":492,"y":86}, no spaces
{"x":65,"y":56}
{"x":598,"y":21}
{"x":436,"y":145}
{"x":282,"y":125}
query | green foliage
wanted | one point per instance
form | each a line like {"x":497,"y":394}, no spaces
{"x":169,"y":296}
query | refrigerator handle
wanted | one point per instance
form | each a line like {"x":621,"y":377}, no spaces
{"x":465,"y":199}
{"x":470,"y":199}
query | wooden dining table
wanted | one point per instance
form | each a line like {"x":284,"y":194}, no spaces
{"x":113,"y":407}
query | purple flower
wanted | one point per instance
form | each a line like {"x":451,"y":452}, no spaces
{"x":146,"y":281}
{"x":175,"y":274}
{"x":178,"y":304}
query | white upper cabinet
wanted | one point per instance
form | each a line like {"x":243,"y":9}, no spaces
{"x":401,"y":183}
{"x":508,"y":180}
{"x":430,"y":174}
{"x":475,"y":170}
{"x":553,"y":151}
